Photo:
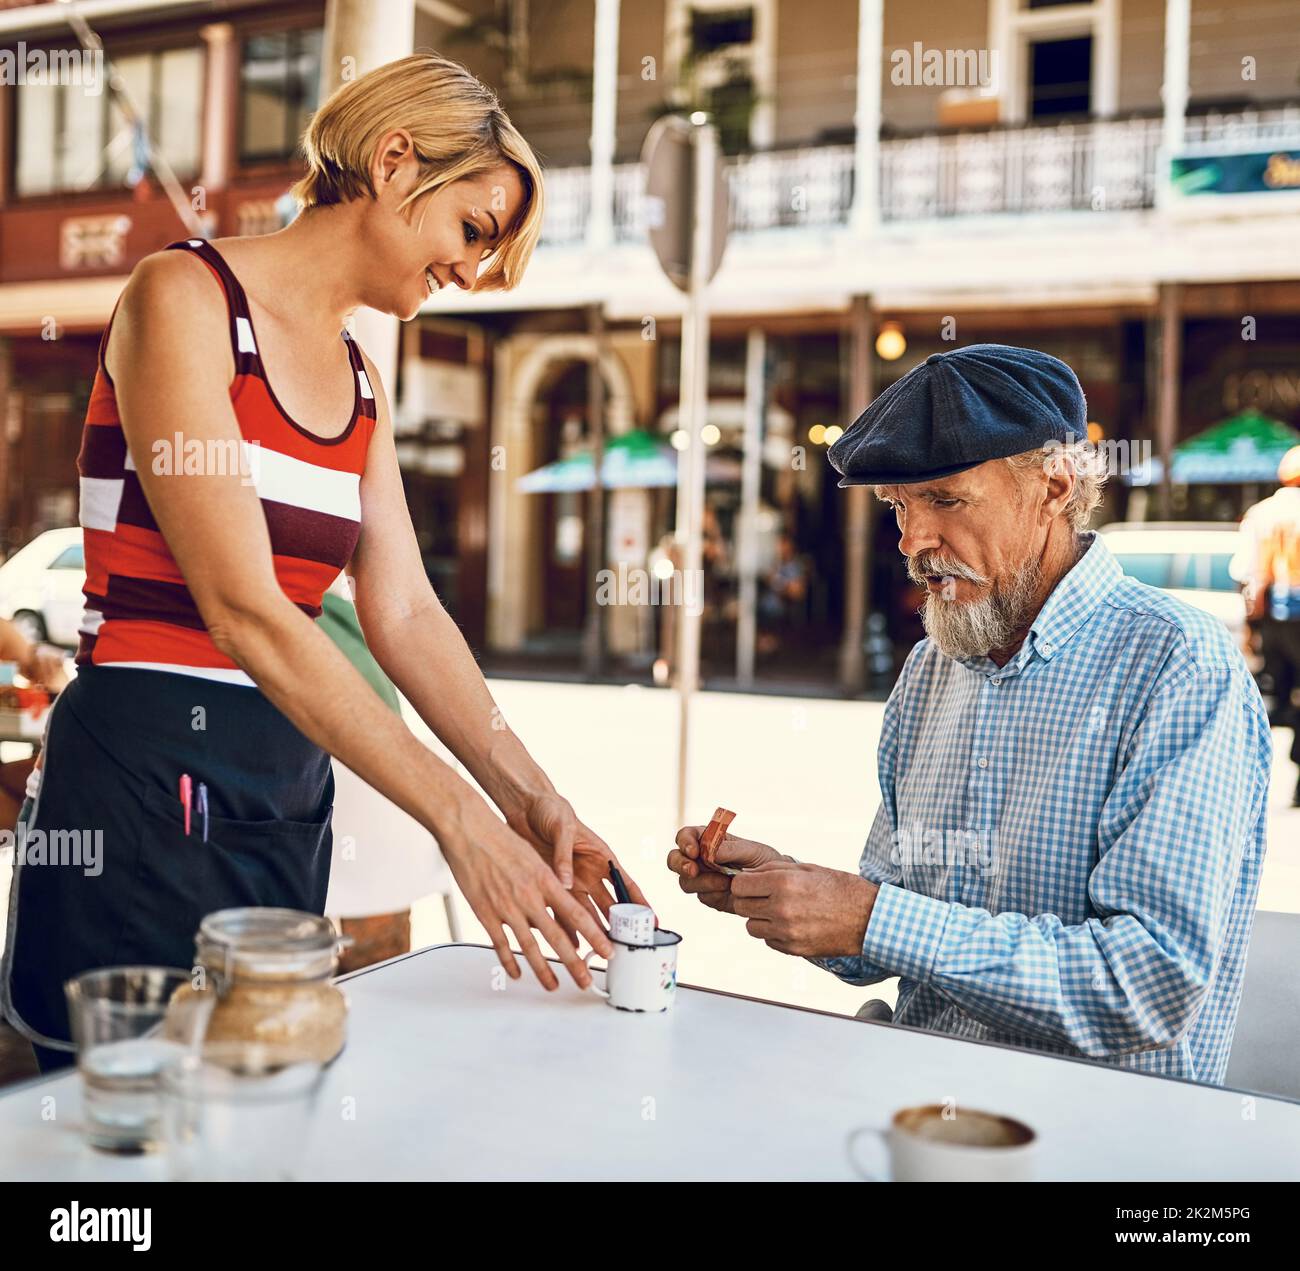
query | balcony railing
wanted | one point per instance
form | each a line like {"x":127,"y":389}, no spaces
{"x":1277,"y":126}
{"x":1109,"y":165}
{"x":568,"y":206}
{"x":1106,"y":165}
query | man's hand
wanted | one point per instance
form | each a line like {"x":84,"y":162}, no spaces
{"x":712,"y":888}
{"x":43,"y":665}
{"x":804,"y":910}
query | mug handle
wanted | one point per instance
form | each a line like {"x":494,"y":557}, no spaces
{"x":599,"y":992}
{"x":851,"y":1148}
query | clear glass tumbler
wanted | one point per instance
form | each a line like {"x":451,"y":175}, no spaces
{"x":238,"y":1112}
{"x":119,"y":1019}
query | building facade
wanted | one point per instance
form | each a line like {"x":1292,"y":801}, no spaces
{"x":1114,"y":181}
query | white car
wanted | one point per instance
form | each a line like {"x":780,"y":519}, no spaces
{"x":1188,"y":559}
{"x":40,"y":587}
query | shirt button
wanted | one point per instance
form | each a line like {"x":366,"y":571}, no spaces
{"x":981,"y":762}
{"x":995,"y":681}
{"x":1047,"y":646}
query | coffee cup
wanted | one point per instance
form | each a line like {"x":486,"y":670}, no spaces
{"x":941,"y":1143}
{"x":641,"y":977}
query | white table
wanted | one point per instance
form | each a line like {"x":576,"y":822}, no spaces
{"x":452,"y":1077}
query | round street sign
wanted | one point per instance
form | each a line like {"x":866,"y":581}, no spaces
{"x":669,"y":159}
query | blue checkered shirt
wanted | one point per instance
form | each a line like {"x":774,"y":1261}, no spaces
{"x":1069,"y":847}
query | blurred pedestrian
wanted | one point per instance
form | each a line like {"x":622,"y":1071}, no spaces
{"x":41,"y":665}
{"x":783,"y":603}
{"x":1268,"y":567}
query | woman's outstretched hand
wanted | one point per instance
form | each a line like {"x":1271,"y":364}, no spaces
{"x":508,"y":884}
{"x":578,"y":855}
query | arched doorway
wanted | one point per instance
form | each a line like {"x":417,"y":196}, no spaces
{"x":545,"y":389}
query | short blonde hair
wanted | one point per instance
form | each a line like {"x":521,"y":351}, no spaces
{"x":459,"y":131}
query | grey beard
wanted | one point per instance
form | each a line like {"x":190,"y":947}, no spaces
{"x":974,"y":629}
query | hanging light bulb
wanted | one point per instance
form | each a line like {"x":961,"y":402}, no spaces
{"x":891,"y":344}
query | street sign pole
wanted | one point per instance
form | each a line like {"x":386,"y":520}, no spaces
{"x":687,"y":209}
{"x":690,"y":477}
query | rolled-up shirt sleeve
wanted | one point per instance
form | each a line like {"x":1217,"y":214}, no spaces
{"x":1171,"y":838}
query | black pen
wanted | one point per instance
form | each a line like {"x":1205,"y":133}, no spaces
{"x":620,"y":887}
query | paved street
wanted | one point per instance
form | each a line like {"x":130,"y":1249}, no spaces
{"x":800,"y":774}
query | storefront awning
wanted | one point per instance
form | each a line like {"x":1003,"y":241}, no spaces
{"x":75,"y":304}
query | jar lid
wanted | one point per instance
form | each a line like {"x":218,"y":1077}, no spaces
{"x":267,"y":942}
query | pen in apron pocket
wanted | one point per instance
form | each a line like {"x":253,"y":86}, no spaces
{"x":203,"y":808}
{"x":185,"y":789}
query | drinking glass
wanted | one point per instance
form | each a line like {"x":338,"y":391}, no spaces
{"x":124,"y":1036}
{"x":238,"y":1112}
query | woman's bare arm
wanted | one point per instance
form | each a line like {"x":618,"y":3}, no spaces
{"x":405,"y":622}
{"x":424,"y":653}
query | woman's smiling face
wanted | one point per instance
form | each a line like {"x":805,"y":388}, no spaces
{"x":465,"y":221}
{"x":442,"y":238}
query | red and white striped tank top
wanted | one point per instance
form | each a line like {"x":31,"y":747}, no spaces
{"x":139,"y":612}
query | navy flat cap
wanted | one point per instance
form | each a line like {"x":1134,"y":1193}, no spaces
{"x":960,"y":409}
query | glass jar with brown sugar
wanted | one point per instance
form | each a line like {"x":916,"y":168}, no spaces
{"x":271,"y":971}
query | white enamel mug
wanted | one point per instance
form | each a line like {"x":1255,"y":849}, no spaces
{"x":935,"y":1143}
{"x":641,"y":977}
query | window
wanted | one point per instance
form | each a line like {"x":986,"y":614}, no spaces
{"x":723,"y":56}
{"x":71,"y":558}
{"x":714,"y":30}
{"x":1152,"y":568}
{"x":1193,"y":571}
{"x":70,"y":139}
{"x":1060,"y":78}
{"x":279,"y":87}
{"x":1055,"y":59}
{"x":1203,"y":571}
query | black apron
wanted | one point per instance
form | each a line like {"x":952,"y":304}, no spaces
{"x":104,"y":873}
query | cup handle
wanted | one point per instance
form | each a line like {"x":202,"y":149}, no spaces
{"x":599,"y":992}
{"x":851,"y":1148}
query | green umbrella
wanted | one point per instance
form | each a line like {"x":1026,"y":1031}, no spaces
{"x":633,"y":460}
{"x":1246,"y":447}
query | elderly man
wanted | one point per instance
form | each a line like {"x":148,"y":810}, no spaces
{"x":1073,"y":766}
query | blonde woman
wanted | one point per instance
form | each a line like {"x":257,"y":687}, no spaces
{"x":198,"y":733}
